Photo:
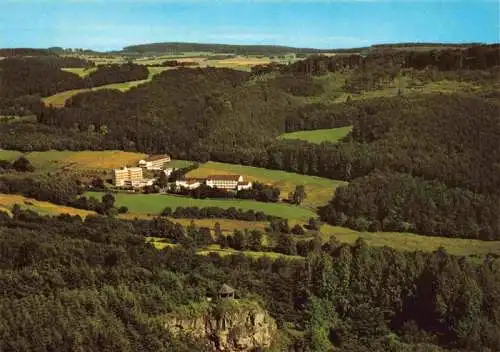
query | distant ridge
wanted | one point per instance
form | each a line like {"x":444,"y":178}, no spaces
{"x":178,"y":47}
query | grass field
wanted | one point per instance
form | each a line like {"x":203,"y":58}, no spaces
{"x":413,"y":242}
{"x":332,"y":135}
{"x":9,"y":155}
{"x":53,"y":160}
{"x":7,"y":201}
{"x":155,"y":203}
{"x":319,"y":190}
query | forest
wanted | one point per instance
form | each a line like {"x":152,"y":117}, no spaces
{"x":21,"y":77}
{"x":79,"y":275}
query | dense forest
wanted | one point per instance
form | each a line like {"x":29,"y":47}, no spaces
{"x":22,"y":77}
{"x":64,"y":279}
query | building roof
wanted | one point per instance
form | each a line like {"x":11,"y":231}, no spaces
{"x":157,"y":157}
{"x":226,"y":290}
{"x":224,"y":177}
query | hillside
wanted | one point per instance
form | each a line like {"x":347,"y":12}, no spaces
{"x":176,"y":48}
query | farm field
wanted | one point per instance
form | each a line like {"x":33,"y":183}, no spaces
{"x":413,"y":242}
{"x":53,"y":160}
{"x":155,"y":203}
{"x":331,"y":135}
{"x":7,"y":201}
{"x":319,"y":190}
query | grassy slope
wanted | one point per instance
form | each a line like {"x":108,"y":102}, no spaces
{"x":155,"y":203}
{"x":45,"y":208}
{"x":413,"y":242}
{"x":332,"y":135}
{"x":334,"y":92}
{"x":319,"y":190}
{"x":53,"y":160}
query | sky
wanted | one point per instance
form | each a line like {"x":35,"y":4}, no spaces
{"x":113,"y":24}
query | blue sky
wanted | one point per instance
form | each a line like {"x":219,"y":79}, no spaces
{"x":112,"y":24}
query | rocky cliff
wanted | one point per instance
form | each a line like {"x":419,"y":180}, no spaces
{"x":229,"y":325}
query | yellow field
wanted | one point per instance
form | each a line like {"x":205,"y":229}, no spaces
{"x":413,"y":242}
{"x":106,"y":159}
{"x":9,"y":200}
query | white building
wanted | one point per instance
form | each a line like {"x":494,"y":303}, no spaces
{"x":155,"y":162}
{"x":224,"y":181}
{"x":126,"y":176}
{"x":142,"y":183}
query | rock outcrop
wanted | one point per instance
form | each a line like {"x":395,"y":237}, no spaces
{"x":229,"y":325}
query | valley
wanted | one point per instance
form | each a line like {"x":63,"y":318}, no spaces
{"x":164,"y":185}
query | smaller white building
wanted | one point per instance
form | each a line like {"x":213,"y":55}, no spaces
{"x":168,"y":171}
{"x":244,"y":185}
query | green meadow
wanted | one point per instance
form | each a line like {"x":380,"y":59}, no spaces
{"x":332,"y":135}
{"x":413,"y":242}
{"x":155,"y":203}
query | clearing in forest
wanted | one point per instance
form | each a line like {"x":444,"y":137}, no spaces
{"x":332,"y":135}
{"x":319,"y":190}
{"x":155,"y":203}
